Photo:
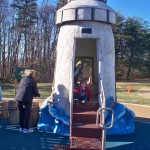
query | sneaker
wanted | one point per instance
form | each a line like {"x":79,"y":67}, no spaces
{"x":83,"y":101}
{"x":21,"y":130}
{"x":27,"y":130}
{"x":76,"y":101}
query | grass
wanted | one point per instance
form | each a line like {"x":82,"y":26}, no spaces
{"x":8,"y":90}
{"x":140,"y":91}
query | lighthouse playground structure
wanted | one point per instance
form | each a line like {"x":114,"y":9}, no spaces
{"x":85,"y":54}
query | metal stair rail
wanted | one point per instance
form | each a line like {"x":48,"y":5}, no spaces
{"x":100,"y":118}
{"x":99,"y":122}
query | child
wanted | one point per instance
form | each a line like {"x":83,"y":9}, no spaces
{"x":78,"y":72}
{"x":82,"y":93}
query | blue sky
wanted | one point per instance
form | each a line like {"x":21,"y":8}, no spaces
{"x":130,"y":8}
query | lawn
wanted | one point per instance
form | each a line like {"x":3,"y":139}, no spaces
{"x":8,"y":90}
{"x":140,"y":91}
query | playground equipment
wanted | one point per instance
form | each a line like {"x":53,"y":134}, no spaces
{"x":85,"y":35}
{"x":85,"y":38}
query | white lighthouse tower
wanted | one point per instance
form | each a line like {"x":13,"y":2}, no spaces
{"x":86,"y":33}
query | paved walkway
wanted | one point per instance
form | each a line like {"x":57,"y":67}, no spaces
{"x":11,"y":139}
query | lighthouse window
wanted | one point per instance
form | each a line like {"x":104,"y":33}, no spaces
{"x":103,"y":0}
{"x":87,"y":30}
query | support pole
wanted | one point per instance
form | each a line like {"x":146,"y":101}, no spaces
{"x":103,"y":103}
{"x":15,"y":86}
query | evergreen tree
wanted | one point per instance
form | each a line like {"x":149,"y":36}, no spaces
{"x":119,"y":44}
{"x":132,"y":47}
{"x":26,"y":12}
{"x":135,"y":30}
{"x":26,"y":17}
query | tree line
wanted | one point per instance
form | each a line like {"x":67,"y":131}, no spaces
{"x":28,"y":37}
{"x":132,"y":47}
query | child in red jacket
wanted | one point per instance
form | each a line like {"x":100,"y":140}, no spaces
{"x":82,"y":93}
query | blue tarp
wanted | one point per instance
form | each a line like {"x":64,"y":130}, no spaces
{"x":54,"y":120}
{"x":123,"y":118}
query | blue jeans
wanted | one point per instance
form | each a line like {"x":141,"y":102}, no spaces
{"x":81,"y":97}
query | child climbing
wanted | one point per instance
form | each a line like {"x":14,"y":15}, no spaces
{"x":82,"y":93}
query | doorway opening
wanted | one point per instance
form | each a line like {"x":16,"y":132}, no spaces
{"x":86,"y":54}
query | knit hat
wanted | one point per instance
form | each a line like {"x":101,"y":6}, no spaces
{"x":78,"y":63}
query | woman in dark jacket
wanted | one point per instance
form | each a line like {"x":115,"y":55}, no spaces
{"x":27,"y":90}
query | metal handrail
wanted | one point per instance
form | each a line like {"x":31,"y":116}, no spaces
{"x":102,"y":117}
{"x":99,"y":119}
{"x":101,"y":111}
{"x":71,"y":101}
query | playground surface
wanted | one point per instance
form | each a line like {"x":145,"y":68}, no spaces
{"x":11,"y":139}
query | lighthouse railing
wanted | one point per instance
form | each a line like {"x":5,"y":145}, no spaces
{"x":100,"y":118}
{"x":71,"y":98}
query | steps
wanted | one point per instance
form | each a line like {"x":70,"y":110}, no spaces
{"x":86,"y":107}
{"x":86,"y":143}
{"x":87,"y":116}
{"x":85,"y":134}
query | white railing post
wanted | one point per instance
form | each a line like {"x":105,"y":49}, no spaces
{"x":100,"y":118}
{"x":71,"y":99}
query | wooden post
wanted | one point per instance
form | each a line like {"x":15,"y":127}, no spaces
{"x":15,"y":86}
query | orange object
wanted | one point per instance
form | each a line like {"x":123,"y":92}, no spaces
{"x":112,"y":104}
{"x":129,"y":90}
